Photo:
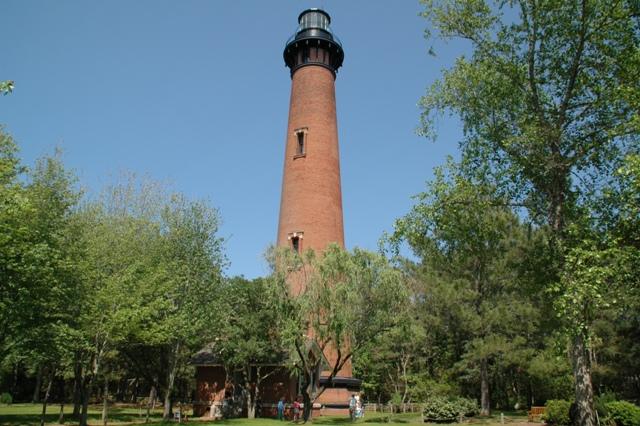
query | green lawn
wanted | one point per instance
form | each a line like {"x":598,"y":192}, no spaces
{"x":29,"y":414}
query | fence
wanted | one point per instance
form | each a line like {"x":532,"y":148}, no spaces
{"x":393,"y":408}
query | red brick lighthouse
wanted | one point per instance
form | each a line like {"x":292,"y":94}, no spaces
{"x":311,"y":203}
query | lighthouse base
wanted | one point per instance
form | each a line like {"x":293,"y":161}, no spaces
{"x":335,"y":398}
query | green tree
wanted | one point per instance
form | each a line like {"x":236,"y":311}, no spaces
{"x":548,"y":99}
{"x":37,"y":259}
{"x":187,"y":292}
{"x":14,"y":238}
{"x":336,"y":304}
{"x":249,"y":339}
{"x":463,"y":232}
{"x":53,"y":195}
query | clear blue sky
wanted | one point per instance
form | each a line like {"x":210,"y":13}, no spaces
{"x":196,"y":93}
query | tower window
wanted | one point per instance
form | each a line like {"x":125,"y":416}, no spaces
{"x":301,"y":141}
{"x":296,"y":241}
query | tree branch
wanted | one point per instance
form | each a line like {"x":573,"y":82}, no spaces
{"x":575,"y":67}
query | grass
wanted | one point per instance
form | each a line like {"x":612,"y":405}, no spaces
{"x":29,"y":414}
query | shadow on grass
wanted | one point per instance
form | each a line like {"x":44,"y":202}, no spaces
{"x":116,"y":415}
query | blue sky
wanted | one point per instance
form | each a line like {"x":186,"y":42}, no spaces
{"x":196,"y":93}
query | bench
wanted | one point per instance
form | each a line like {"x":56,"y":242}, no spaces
{"x":536,"y":413}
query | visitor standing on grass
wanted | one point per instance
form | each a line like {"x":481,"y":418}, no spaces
{"x":281,"y":409}
{"x":296,"y":409}
{"x":352,"y":407}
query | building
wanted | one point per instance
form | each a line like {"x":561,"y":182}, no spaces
{"x":311,"y":201}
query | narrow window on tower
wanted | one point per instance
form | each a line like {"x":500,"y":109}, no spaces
{"x":296,"y":241}
{"x":301,"y":142}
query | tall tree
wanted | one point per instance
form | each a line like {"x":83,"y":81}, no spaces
{"x":249,"y":338}
{"x":179,"y":298}
{"x":37,"y":260}
{"x":463,"y":233}
{"x":548,"y":98}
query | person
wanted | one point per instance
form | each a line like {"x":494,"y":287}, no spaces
{"x":281,"y":409}
{"x":296,"y":409}
{"x":359,"y":407}
{"x":352,"y":407}
{"x":214,"y":412}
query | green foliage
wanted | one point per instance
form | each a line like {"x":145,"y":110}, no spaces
{"x":6,"y":87}
{"x":602,"y":401}
{"x":558,"y":412}
{"x":6,"y":398}
{"x":548,"y":100}
{"x":550,"y":372}
{"x":623,"y":413}
{"x":347,"y":299}
{"x":442,"y":409}
{"x":465,"y":235}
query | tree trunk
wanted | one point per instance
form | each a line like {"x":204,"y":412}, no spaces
{"x":46,"y":398}
{"x":152,"y":399}
{"x":307,"y":389}
{"x":62,"y":399}
{"x":167,"y":407}
{"x":485,"y":397}
{"x":105,"y":401}
{"x":87,"y":388}
{"x":166,"y":415}
{"x":77,"y":388}
{"x":86,"y":394}
{"x":250,"y":398}
{"x":36,"y":390}
{"x":306,"y":410}
{"x":61,"y":416}
{"x":585,"y":415}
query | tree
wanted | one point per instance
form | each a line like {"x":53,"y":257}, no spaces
{"x":13,"y":242}
{"x":345,"y":300}
{"x":548,"y":99}
{"x":187,"y":291}
{"x":37,"y":260}
{"x":463,"y":233}
{"x":249,"y":337}
{"x":54,"y":197}
{"x":150,"y":278}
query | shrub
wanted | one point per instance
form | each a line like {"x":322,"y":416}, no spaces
{"x":467,"y":406}
{"x":557,"y":412}
{"x":6,"y":398}
{"x":602,"y":401}
{"x":441,"y":409}
{"x":623,"y":413}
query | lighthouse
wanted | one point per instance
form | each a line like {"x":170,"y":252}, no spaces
{"x":311,"y":200}
{"x":311,"y":203}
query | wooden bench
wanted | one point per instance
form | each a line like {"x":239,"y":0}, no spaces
{"x":535,"y":413}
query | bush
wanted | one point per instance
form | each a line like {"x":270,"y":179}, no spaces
{"x":6,"y":398}
{"x":441,"y":409}
{"x":557,"y":412}
{"x":467,"y":406}
{"x":623,"y":413}
{"x":602,"y":401}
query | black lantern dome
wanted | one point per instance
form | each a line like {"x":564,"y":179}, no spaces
{"x":313,"y":43}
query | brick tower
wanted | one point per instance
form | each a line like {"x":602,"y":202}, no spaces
{"x":311,"y":203}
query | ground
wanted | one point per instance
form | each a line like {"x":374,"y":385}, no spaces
{"x":29,"y":414}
